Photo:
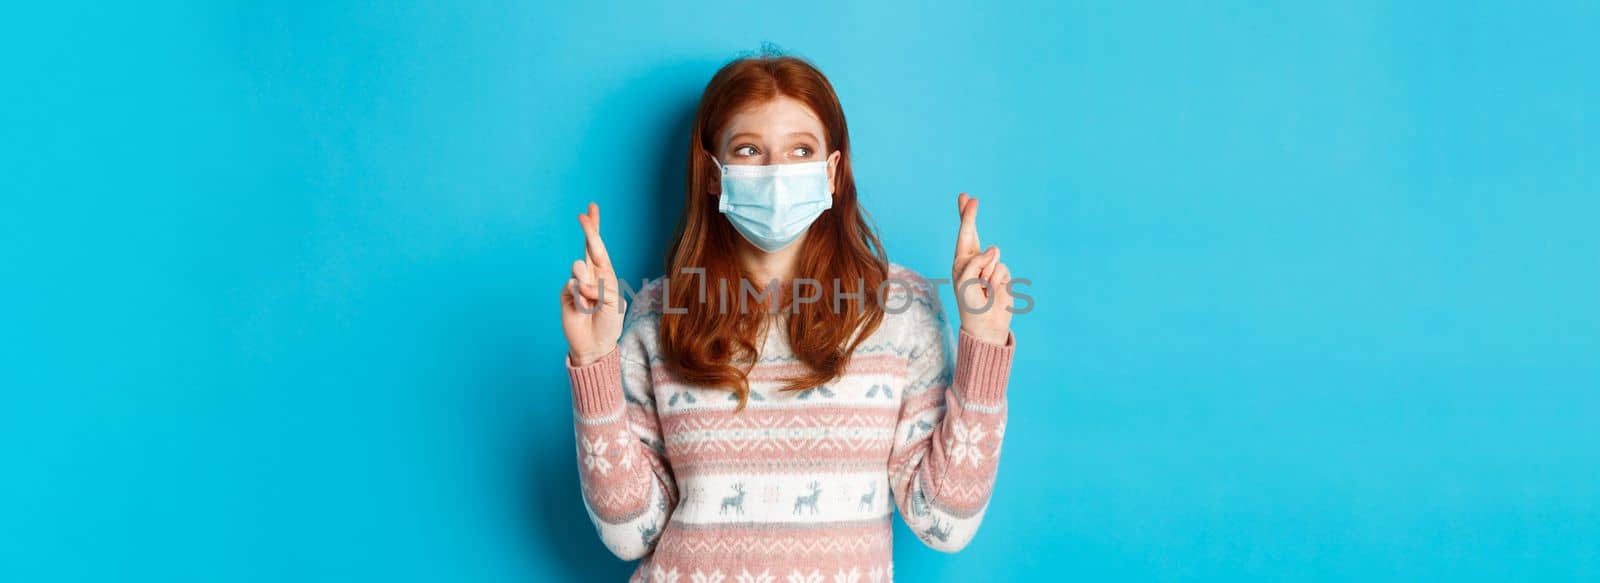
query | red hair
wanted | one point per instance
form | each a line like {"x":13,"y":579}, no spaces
{"x":713,"y":347}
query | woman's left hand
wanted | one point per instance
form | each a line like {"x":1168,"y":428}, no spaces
{"x":985,"y":305}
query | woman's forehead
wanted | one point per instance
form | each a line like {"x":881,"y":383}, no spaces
{"x":774,"y":119}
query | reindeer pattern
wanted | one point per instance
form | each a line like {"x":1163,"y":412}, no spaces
{"x":735,"y":502}
{"x":647,"y":535}
{"x":808,"y":500}
{"x":936,"y":531}
{"x":817,"y":497}
{"x":868,"y":498}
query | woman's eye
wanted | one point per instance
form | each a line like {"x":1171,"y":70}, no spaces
{"x":802,"y":151}
{"x":745,"y":151}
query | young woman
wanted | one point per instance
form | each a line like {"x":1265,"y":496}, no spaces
{"x":756,"y":413}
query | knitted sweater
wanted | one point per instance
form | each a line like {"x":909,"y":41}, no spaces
{"x":800,"y":486}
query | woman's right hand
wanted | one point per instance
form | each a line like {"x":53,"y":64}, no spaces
{"x":591,"y":302}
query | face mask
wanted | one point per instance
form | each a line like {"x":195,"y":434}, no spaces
{"x":772,"y":205}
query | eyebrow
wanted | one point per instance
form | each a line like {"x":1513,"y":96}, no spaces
{"x":748,"y":134}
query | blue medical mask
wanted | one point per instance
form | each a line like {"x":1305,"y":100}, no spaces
{"x":772,"y":205}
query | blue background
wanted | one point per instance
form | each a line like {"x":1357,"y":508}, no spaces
{"x":1316,"y":288}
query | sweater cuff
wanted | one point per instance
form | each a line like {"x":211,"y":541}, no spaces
{"x":597,"y":386}
{"x":983,"y":369}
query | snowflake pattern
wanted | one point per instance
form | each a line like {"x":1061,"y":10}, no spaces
{"x":664,"y":576}
{"x":764,"y":577}
{"x":844,"y":498}
{"x":815,"y":576}
{"x":696,"y":496}
{"x":594,"y":455}
{"x":963,"y":444}
{"x":701,"y":577}
{"x":771,"y":494}
{"x":623,"y":437}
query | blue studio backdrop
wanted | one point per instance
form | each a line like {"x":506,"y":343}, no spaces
{"x":1316,"y":290}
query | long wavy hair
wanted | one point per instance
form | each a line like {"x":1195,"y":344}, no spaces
{"x":714,"y":347}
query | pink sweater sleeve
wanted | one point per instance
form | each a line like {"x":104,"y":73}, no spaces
{"x":628,"y":489}
{"x":947,"y":441}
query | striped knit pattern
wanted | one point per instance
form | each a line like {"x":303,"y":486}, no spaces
{"x":800,"y":486}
